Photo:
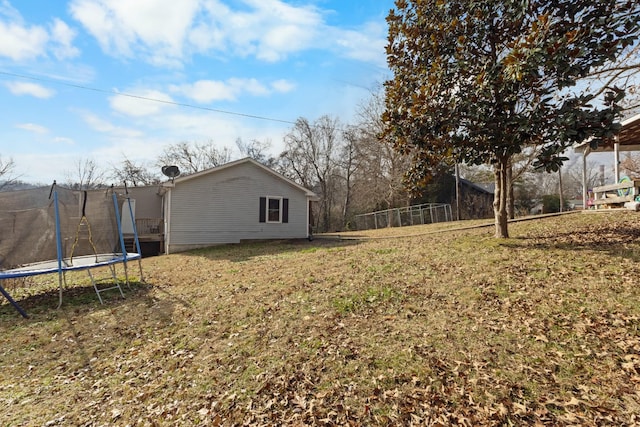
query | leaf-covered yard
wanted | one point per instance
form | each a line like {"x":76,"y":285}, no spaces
{"x":411,"y":328}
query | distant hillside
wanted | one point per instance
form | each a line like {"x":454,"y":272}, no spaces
{"x":17,"y":185}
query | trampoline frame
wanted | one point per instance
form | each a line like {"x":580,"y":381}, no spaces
{"x":62,"y":265}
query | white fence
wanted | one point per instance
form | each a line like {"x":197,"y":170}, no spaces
{"x":427,"y":213}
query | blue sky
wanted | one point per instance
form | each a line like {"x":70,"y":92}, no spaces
{"x":62,"y":64}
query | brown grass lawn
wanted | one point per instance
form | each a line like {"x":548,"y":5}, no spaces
{"x":453,"y":328}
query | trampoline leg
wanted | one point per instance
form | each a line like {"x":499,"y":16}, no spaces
{"x":140,"y":268}
{"x":126,"y":274}
{"x":13,"y":303}
{"x":60,"y":276}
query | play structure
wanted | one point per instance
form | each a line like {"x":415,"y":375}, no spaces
{"x":57,"y":230}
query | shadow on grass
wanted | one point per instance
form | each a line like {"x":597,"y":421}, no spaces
{"x":85,"y":329}
{"x":606,"y":238}
{"x":44,"y":302}
{"x":245,"y":251}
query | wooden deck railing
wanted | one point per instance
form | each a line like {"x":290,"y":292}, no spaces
{"x":149,"y":226}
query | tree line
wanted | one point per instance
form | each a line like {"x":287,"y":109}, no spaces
{"x":346,"y":165}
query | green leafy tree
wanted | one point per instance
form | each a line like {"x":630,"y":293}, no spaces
{"x":480,"y":81}
{"x":551,"y":203}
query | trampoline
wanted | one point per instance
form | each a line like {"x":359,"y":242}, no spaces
{"x":63,"y":231}
{"x":68,"y":264}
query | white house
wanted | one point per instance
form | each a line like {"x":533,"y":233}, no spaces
{"x":240,"y":200}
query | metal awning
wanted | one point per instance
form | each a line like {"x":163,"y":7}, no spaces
{"x":628,"y":139}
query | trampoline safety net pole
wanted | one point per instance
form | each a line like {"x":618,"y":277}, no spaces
{"x":135,"y":233}
{"x":122,"y":246}
{"x":58,"y":242}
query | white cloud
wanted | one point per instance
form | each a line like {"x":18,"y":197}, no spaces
{"x":221,"y":129}
{"x":250,"y":86}
{"x":62,"y":36}
{"x":20,"y":41}
{"x":367,"y":44}
{"x":283,"y":86}
{"x":103,"y":126}
{"x":143,"y":140}
{"x":207,"y":91}
{"x":138,"y":107}
{"x":63,"y":140}
{"x":156,"y":28}
{"x":167,"y":32}
{"x":32,"y":127}
{"x":271,"y":30}
{"x":33,"y":89}
{"x":9,"y":11}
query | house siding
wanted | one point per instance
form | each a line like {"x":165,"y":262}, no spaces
{"x":148,"y":201}
{"x":223,"y":207}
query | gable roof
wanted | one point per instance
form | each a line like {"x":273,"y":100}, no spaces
{"x":236,"y":163}
{"x":483,"y":188}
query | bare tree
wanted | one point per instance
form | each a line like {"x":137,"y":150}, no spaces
{"x":348,"y":164}
{"x":349,"y":167}
{"x":257,"y":150}
{"x":479,"y":174}
{"x":623,"y":72}
{"x":573,"y":178}
{"x":6,"y":173}
{"x":631,"y":164}
{"x":519,"y":165}
{"x":85,"y":175}
{"x":381,"y":168}
{"x":134,"y":174}
{"x":310,"y":158}
{"x":193,"y":157}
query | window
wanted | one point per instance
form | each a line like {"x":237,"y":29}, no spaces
{"x":274,"y":209}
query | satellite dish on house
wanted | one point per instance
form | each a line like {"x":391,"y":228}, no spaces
{"x":171,"y":171}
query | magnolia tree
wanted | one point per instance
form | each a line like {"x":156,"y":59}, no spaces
{"x":479,"y":82}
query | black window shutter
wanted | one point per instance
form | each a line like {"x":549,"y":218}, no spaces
{"x":285,"y":210}
{"x":263,"y":209}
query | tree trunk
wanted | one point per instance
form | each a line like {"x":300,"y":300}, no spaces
{"x":500,"y":198}
{"x":511,"y":204}
{"x":347,"y":202}
{"x":560,"y":191}
{"x":457,"y":192}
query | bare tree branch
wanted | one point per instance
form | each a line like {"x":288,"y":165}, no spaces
{"x":6,"y":173}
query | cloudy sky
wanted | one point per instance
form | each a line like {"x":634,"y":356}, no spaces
{"x":109,"y":79}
